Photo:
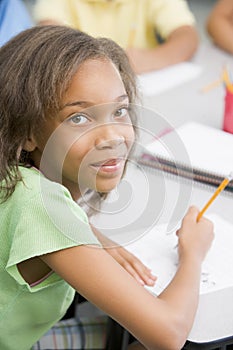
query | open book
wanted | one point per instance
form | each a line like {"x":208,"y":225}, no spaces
{"x":195,"y":151}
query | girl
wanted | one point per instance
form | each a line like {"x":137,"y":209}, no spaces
{"x":67,"y":129}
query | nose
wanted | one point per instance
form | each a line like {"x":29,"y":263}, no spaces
{"x":109,"y":136}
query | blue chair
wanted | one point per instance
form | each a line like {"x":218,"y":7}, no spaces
{"x":14,"y":18}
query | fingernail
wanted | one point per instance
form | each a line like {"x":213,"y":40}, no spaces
{"x":150,"y":281}
{"x":141,"y":282}
{"x":153,"y":277}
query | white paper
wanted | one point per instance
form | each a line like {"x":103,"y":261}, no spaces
{"x":158,"y":251}
{"x":164,"y":79}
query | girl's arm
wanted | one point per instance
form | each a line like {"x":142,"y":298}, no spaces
{"x":162,"y":322}
{"x":180,"y":46}
{"x":220,"y":24}
{"x":126,"y":259}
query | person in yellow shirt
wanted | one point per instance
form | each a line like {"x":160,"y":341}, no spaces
{"x":134,"y":24}
{"x":219,"y":25}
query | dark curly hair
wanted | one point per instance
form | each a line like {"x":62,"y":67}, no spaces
{"x":36,"y":68}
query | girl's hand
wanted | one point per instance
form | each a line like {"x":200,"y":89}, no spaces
{"x":127,"y":260}
{"x":195,"y":238}
{"x":133,"y":265}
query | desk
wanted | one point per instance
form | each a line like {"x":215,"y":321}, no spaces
{"x":147,"y":198}
{"x":186,"y":102}
{"x":214,"y":318}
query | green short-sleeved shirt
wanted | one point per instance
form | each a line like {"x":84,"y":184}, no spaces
{"x":39,"y":217}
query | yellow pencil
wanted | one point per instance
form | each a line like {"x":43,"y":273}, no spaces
{"x":212,"y":85}
{"x":224,"y":78}
{"x":227,"y":80}
{"x":220,"y":188}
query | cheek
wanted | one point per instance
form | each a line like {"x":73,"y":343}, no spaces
{"x":129,"y":136}
{"x":78,"y":154}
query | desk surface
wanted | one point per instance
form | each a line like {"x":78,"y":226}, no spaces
{"x":145,"y":198}
{"x":187,"y":102}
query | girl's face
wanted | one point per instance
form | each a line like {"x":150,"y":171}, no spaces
{"x":86,"y":145}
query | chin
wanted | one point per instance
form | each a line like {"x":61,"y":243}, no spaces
{"x":107,"y":186}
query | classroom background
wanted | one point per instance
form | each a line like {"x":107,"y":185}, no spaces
{"x":187,"y":103}
{"x":200,"y":8}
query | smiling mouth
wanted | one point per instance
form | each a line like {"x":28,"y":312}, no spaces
{"x":109,"y":166}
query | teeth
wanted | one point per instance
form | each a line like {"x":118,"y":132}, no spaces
{"x":111,"y":162}
{"x":107,"y":163}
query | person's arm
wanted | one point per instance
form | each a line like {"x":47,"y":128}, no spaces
{"x":126,"y":259}
{"x":162,"y":322}
{"x":179,"y":46}
{"x":219,"y":25}
{"x":49,"y":22}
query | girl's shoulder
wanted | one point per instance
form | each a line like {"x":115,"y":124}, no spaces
{"x":35,"y":190}
{"x":44,"y":202}
{"x":34,"y":183}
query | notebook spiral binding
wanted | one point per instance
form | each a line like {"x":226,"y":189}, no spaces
{"x":173,"y":169}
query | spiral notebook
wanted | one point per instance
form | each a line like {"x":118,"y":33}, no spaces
{"x":195,"y":151}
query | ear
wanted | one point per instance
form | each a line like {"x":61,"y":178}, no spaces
{"x":29,"y":145}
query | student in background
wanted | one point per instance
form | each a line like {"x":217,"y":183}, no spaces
{"x":136,"y":25}
{"x":220,"y":25}
{"x":14,"y":18}
{"x":66,"y":131}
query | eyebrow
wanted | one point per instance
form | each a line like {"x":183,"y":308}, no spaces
{"x":89,"y":103}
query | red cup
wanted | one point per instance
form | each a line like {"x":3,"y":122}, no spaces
{"x":228,"y":112}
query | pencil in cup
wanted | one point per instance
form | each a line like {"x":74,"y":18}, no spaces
{"x":224,"y":78}
{"x":220,"y":188}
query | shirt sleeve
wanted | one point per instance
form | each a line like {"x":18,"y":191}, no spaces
{"x":49,"y":221}
{"x":14,"y":18}
{"x":168,"y":15}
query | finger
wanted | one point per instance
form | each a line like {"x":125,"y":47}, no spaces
{"x":135,"y":262}
{"x":193,"y":210}
{"x":144,"y":272}
{"x":133,"y":273}
{"x":140,"y":268}
{"x":192,"y":213}
{"x":134,"y":266}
